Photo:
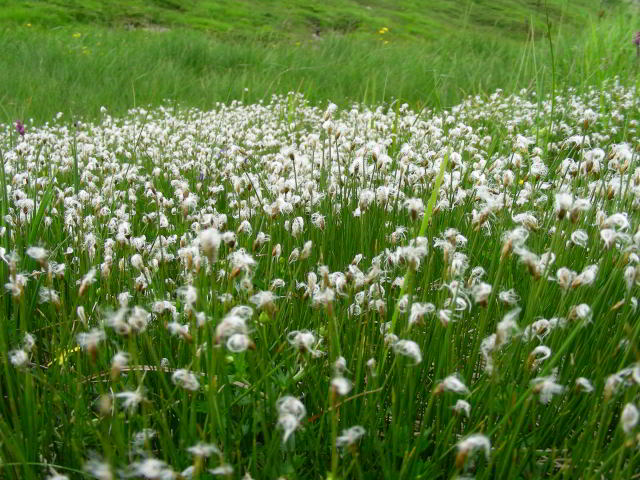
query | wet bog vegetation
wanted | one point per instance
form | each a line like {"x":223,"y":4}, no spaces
{"x":277,"y":289}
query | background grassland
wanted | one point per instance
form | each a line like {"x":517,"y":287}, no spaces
{"x":291,"y":18}
{"x":74,"y":57}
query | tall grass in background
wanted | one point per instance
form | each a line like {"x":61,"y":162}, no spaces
{"x":76,"y":71}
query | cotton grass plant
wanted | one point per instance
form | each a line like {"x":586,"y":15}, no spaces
{"x":281,"y":290}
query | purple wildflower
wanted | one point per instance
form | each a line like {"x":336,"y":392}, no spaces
{"x":636,"y":39}
{"x":20,"y":128}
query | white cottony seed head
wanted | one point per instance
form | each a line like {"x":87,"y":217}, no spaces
{"x":452,"y":384}
{"x":340,"y":385}
{"x":466,"y":446}
{"x":462,"y":406}
{"x":350,"y":436}
{"x":408,"y":348}
{"x":629,"y":418}
{"x":583,"y":384}
{"x":546,"y":387}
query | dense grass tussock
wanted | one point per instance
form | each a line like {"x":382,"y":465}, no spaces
{"x":275,"y":289}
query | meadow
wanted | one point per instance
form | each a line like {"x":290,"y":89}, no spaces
{"x":344,"y":273}
{"x":429,"y":58}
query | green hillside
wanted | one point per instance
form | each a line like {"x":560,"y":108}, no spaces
{"x":75,"y":57}
{"x":405,"y":19}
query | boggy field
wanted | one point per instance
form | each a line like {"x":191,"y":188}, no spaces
{"x":279,"y":290}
